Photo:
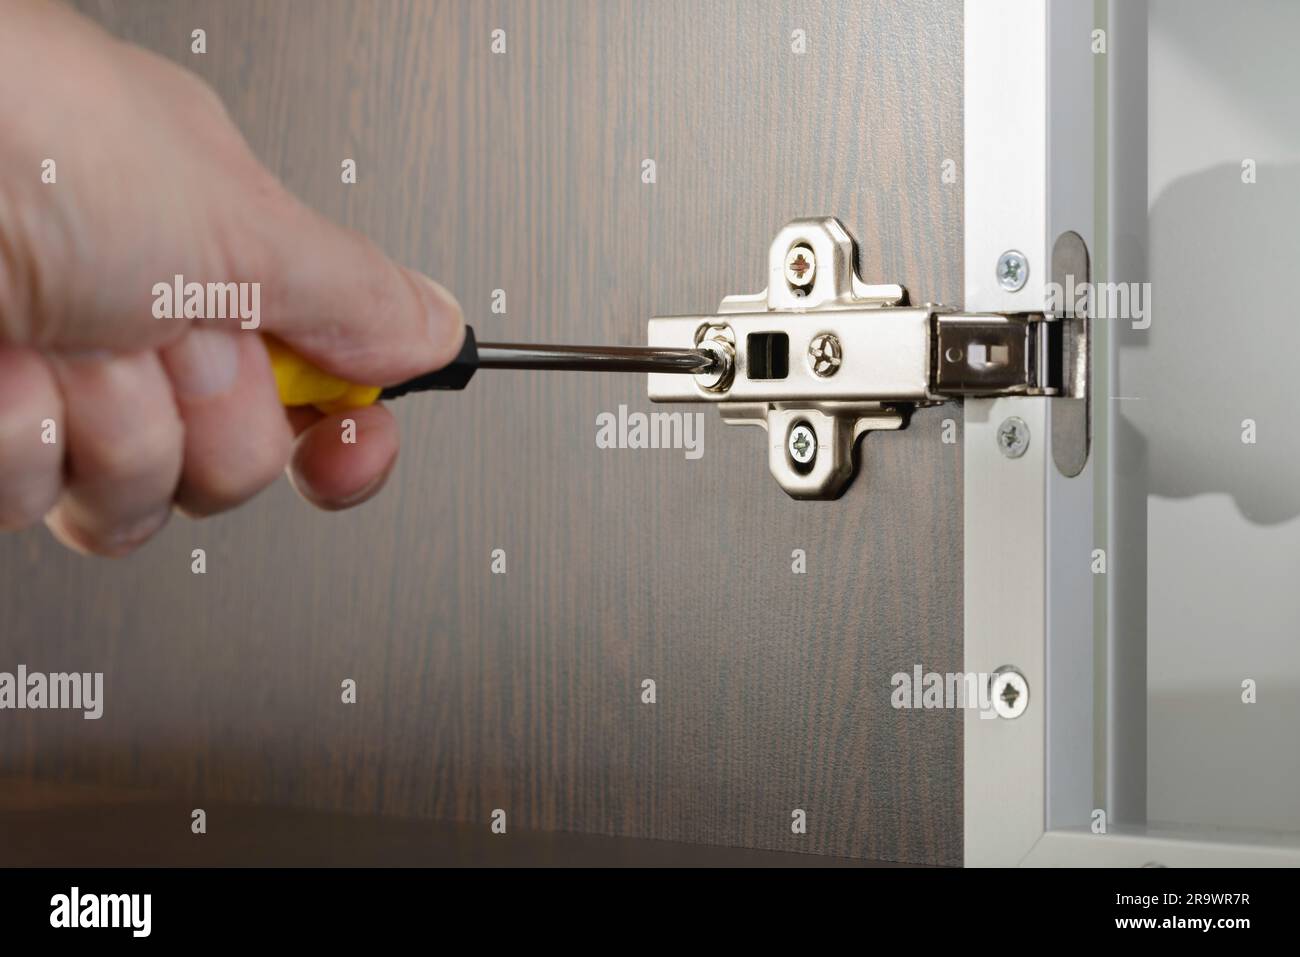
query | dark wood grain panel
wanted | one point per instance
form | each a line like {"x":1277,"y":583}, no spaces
{"x":44,"y":825}
{"x":520,"y":691}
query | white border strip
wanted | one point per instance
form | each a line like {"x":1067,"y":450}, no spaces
{"x":1005,"y":500}
{"x":1028,"y":177}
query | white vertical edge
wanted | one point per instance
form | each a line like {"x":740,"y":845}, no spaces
{"x":1005,"y":611}
{"x":1005,"y":500}
{"x":1016,"y":551}
{"x":1071,"y":187}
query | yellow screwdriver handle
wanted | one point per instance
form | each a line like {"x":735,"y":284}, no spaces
{"x":301,"y":383}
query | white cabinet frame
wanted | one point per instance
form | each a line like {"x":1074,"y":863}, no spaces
{"x":1055,"y":140}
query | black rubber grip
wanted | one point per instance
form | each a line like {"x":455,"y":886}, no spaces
{"x":454,"y":376}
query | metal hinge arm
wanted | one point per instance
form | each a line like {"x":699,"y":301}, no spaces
{"x":820,"y":357}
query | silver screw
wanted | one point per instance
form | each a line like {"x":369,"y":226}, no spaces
{"x":720,"y":341}
{"x":1009,"y":692}
{"x":800,"y":266}
{"x":825,"y":355}
{"x":1013,"y":437}
{"x":802,"y":444}
{"x":1013,"y":270}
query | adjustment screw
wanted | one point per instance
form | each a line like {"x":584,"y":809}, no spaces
{"x":1013,"y":437}
{"x":800,"y":266}
{"x":1009,"y":692}
{"x":717,"y":341}
{"x":825,"y":355}
{"x":802,"y":444}
{"x":1013,"y":270}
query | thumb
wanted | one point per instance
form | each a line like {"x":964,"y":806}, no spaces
{"x":334,"y":298}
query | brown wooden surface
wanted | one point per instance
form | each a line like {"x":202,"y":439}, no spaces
{"x":44,"y":825}
{"x":521,"y":691}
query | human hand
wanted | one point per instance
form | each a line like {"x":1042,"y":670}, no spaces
{"x":152,"y":180}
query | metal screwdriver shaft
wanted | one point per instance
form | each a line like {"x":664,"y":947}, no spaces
{"x":502,"y":355}
{"x":505,"y":355}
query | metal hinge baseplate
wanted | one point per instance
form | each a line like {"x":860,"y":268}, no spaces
{"x":819,"y":358}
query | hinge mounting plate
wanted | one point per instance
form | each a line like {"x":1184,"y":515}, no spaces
{"x":820,"y":357}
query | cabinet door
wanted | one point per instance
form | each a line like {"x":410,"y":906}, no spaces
{"x":614,"y":161}
{"x":1147,"y":601}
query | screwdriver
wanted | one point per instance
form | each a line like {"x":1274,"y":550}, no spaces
{"x":301,"y":383}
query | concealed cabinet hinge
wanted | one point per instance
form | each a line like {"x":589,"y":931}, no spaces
{"x":820,"y":358}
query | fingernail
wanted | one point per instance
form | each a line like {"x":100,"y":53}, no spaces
{"x":336,"y":504}
{"x":445,"y":318}
{"x":366,"y":491}
{"x":128,"y":536}
{"x":204,"y":363}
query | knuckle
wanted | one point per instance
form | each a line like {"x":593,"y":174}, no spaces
{"x":153,"y":446}
{"x":220,"y":483}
